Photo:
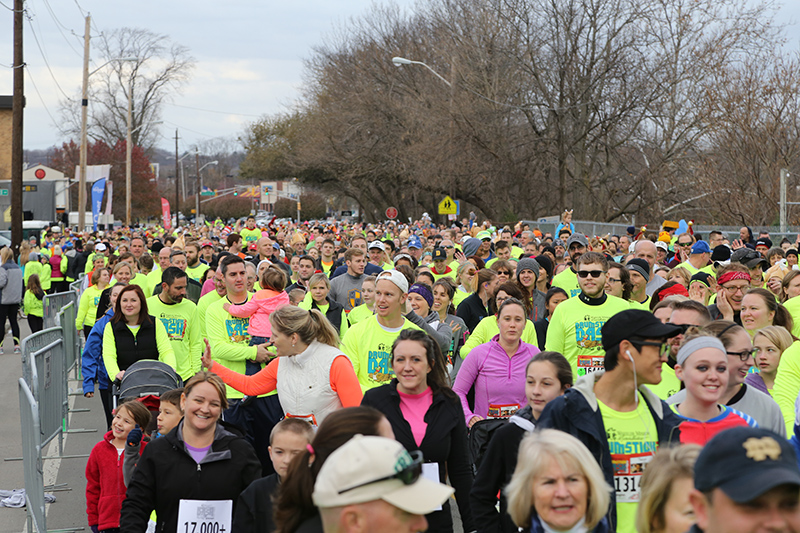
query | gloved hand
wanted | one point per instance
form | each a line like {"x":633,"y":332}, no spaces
{"x":135,"y":436}
{"x":95,"y":529}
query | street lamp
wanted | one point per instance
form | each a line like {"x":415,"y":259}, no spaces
{"x":84,"y":113}
{"x":200,"y":190}
{"x":400,"y":61}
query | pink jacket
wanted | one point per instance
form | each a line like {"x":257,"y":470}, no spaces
{"x":499,"y":380}
{"x":258,"y":308}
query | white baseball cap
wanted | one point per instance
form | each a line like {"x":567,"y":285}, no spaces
{"x":395,"y":277}
{"x":369,"y":468}
{"x":377,"y":244}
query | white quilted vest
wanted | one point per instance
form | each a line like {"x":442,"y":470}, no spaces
{"x":304,"y":383}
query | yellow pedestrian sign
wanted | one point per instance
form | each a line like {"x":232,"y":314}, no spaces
{"x":448,"y":206}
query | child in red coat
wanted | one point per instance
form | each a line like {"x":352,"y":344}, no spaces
{"x":105,"y":488}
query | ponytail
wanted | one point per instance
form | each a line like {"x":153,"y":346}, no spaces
{"x":309,"y":325}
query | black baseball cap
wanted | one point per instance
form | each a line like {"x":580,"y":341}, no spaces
{"x":439,"y":254}
{"x":721,"y":253}
{"x":749,"y":258}
{"x":635,"y":324}
{"x":745,"y":463}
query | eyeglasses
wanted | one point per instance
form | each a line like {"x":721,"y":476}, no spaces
{"x":684,"y":244}
{"x":614,"y":280}
{"x":448,"y":247}
{"x":663,"y":348}
{"x":501,"y":272}
{"x":745,"y":354}
{"x":734,"y":289}
{"x":594,"y":273}
{"x":408,"y":475}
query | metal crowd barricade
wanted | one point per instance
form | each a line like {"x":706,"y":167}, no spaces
{"x":77,"y":284}
{"x":32,"y":459}
{"x":66,"y":319}
{"x":49,"y":388}
{"x":53,"y":303}
{"x":33,"y":343}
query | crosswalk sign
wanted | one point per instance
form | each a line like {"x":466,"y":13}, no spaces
{"x":448,"y":206}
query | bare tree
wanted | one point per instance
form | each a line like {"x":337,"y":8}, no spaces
{"x":160,"y":69}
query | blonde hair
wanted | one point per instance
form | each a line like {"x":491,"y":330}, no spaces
{"x":309,"y":325}
{"x":681,"y":272}
{"x":779,"y":336}
{"x":668,"y":465}
{"x":534,"y":452}
{"x":6,"y":254}
{"x":316,"y":278}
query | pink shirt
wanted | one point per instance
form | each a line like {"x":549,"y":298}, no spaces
{"x":414,"y":407}
{"x":258,"y":308}
{"x":499,"y":379}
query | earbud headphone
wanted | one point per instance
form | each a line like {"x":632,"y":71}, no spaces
{"x":628,"y":353}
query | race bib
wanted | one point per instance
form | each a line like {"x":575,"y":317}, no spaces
{"x":502,"y":410}
{"x":628,"y":470}
{"x":589,"y":363}
{"x":205,"y":516}
{"x":311,"y":419}
{"x":430,"y":471}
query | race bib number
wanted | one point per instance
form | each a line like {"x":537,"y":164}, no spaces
{"x":200,"y":516}
{"x":430,"y":471}
{"x":589,"y":363}
{"x":628,"y":470}
{"x":311,"y":419}
{"x":502,"y":410}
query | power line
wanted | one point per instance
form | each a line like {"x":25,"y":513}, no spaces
{"x":213,"y":111}
{"x":60,"y":25}
{"x":188,"y":129}
{"x":9,"y":8}
{"x":83,"y":13}
{"x":44,"y":57}
{"x":30,"y":76}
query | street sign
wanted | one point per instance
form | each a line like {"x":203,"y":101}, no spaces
{"x":391,"y":213}
{"x":208,"y":193}
{"x":3,"y":192}
{"x":347,"y":213}
{"x":448,"y":206}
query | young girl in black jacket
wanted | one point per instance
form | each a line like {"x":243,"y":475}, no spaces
{"x":547,"y":376}
{"x":426,"y":415}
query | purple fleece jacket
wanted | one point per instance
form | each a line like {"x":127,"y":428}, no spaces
{"x":498,"y":379}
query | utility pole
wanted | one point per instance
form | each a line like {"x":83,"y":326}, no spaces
{"x":784,"y":173}
{"x":84,"y":112}
{"x":177,"y":182}
{"x":18,"y":102}
{"x":128,"y":152}
{"x":197,"y":198}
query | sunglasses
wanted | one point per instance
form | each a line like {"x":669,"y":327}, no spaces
{"x":408,"y":475}
{"x":663,"y":348}
{"x":506,"y":272}
{"x":594,"y":273}
{"x":746,"y":354}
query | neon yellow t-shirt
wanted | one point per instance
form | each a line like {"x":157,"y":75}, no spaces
{"x":183,"y":329}
{"x":359,"y":313}
{"x":229,"y":340}
{"x":87,"y":309}
{"x":575,"y":332}
{"x":487,"y":328}
{"x":670,"y":384}
{"x":369,"y":347}
{"x":793,"y":306}
{"x":202,"y":305}
{"x":787,"y":384}
{"x":196,"y":272}
{"x":632,"y":441}
{"x":567,"y":280}
{"x":249,"y":235}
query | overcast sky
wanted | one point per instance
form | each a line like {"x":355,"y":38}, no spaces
{"x":249,"y":56}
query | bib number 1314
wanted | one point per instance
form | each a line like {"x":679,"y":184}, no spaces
{"x":205,"y":516}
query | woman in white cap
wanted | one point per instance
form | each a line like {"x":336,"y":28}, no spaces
{"x":702,"y":366}
{"x":557,"y":486}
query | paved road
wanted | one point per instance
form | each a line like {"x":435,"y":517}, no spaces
{"x":69,"y":509}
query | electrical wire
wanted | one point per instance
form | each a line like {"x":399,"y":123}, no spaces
{"x":60,"y":25}
{"x":44,"y":57}
{"x":30,"y":77}
{"x":191,"y":130}
{"x":9,"y":8}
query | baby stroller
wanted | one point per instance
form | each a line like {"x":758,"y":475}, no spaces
{"x":146,"y":381}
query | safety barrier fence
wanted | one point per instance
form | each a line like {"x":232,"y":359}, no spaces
{"x":48,"y":358}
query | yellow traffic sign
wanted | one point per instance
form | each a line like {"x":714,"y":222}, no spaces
{"x":448,"y":206}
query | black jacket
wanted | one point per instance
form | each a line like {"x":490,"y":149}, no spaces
{"x":166,"y":474}
{"x":577,"y":413}
{"x":133,"y":348}
{"x":472,"y":311}
{"x":445,"y":442}
{"x":497,"y":466}
{"x":254,"y":509}
{"x":334,"y":314}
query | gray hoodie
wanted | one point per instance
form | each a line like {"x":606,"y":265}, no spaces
{"x":10,"y":283}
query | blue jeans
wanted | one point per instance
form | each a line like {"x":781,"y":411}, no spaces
{"x":251,"y":367}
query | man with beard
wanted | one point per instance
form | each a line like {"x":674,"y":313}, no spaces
{"x":179,"y":316}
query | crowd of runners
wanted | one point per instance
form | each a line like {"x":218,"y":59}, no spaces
{"x":388,"y":377}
